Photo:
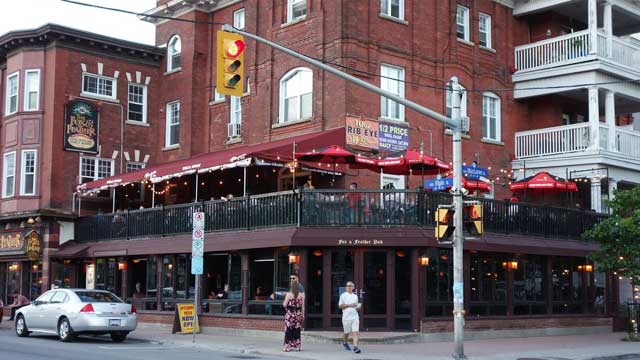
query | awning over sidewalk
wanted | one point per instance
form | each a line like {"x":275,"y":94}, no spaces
{"x":280,"y":151}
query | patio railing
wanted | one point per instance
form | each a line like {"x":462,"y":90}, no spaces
{"x":331,"y":208}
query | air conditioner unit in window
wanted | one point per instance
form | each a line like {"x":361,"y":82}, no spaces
{"x":233,"y":130}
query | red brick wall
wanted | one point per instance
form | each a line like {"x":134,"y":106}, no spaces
{"x":249,"y":322}
{"x":446,"y":325}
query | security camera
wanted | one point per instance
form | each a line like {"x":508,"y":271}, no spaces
{"x":465,"y":192}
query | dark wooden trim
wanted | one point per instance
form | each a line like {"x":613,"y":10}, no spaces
{"x":244,"y":260}
{"x":416,"y":302}
{"x":326,"y":288}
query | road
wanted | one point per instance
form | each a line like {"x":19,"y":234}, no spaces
{"x":39,"y":347}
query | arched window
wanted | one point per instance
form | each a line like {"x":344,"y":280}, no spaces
{"x":296,"y":95}
{"x":174,"y":53}
{"x":491,"y":117}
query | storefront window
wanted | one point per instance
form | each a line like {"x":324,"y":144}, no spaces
{"x":222,"y":292}
{"x":268,"y":281}
{"x":167,"y":276}
{"x":529,"y":286}
{"x":488,"y":284}
{"x":342,"y":270}
{"x":36,"y":279}
{"x":63,"y":275}
{"x":152,"y":277}
{"x":177,"y":281}
{"x":3,"y":279}
{"x":13,"y":278}
{"x":314,"y":289}
{"x":439,"y":283}
{"x":107,"y":275}
{"x":567,"y":285}
{"x":403,"y":289}
{"x":600,"y":290}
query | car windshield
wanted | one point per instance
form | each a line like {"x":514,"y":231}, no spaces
{"x":97,"y":297}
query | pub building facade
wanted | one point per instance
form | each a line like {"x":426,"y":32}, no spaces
{"x":190,"y":148}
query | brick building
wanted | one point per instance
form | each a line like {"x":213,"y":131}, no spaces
{"x":202,"y":145}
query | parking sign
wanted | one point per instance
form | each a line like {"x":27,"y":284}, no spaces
{"x":198,"y":220}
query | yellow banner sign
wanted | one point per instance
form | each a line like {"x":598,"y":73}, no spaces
{"x":184,"y":319}
{"x":363,"y":133}
{"x":11,"y":241}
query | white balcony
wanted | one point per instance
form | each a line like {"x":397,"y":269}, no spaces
{"x":570,"y":140}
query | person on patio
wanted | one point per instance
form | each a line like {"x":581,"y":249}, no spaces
{"x":353,"y":201}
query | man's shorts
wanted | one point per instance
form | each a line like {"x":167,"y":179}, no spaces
{"x":351,"y":326}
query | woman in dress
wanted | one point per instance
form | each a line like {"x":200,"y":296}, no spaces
{"x":294,"y":306}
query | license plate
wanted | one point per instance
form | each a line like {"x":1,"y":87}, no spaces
{"x":114,"y":322}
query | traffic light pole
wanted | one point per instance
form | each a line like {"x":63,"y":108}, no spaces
{"x":455,"y":124}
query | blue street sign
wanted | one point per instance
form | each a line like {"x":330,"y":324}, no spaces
{"x":473,"y":172}
{"x":438,"y":184}
{"x":196,"y":265}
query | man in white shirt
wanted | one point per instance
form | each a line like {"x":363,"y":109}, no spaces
{"x":350,"y":318}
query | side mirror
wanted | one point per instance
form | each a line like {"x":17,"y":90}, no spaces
{"x":35,"y":303}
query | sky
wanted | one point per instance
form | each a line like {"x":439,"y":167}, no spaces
{"x":30,"y":14}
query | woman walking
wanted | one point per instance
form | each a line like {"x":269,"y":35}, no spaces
{"x":294,"y":306}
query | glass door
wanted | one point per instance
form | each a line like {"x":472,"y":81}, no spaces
{"x":373,"y":290}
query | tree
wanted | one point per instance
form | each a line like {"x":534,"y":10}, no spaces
{"x":619,"y":237}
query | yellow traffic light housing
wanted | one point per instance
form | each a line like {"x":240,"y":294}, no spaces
{"x":230,"y":63}
{"x":444,"y":223}
{"x":473,"y":223}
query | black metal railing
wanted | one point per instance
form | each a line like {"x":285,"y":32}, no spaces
{"x":333,"y":208}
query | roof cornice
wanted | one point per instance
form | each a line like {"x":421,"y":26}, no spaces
{"x":175,"y":8}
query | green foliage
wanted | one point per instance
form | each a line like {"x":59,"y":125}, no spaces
{"x":619,"y":237}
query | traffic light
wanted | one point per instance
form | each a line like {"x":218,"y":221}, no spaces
{"x":444,"y":223}
{"x":473,"y":220}
{"x":230,"y":64}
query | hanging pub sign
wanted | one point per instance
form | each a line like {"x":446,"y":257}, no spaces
{"x":81,"y":127}
{"x":33,"y":245}
{"x":11,"y":241}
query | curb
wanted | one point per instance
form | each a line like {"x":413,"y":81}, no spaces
{"x":635,"y":356}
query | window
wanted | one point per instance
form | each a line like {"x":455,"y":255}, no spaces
{"x":235,"y":117}
{"x":567,"y":285}
{"x":9,"y":174}
{"x":462,"y":23}
{"x":392,"y":8}
{"x":392,"y":79}
{"x":529,"y":282}
{"x":491,"y":116}
{"x":238,"y":19}
{"x":488,"y":285}
{"x":12,"y":94}
{"x":31,"y":90}
{"x":485,"y":30}
{"x":28,"y":173}
{"x":137,"y":103}
{"x":440,"y":282}
{"x":296,"y":10}
{"x":172,"y":130}
{"x":94,"y":168}
{"x":134,"y":166}
{"x":296,"y":95}
{"x":96,"y":85}
{"x":174,"y":52}
{"x":217,"y":96}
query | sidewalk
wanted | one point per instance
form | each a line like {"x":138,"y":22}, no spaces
{"x":574,"y":347}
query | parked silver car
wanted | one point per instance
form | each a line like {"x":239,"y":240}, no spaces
{"x":70,"y":312}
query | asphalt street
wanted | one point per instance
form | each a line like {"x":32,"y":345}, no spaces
{"x":41,"y":347}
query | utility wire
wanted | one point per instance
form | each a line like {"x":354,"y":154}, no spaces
{"x":364,"y":72}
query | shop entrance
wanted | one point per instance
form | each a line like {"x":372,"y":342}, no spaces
{"x":382,"y":284}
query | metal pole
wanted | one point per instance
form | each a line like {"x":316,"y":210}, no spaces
{"x":293,"y":172}
{"x":195,"y":306}
{"x":197,"y":186}
{"x":410,"y":104}
{"x":153,"y":195}
{"x":244,"y":192}
{"x":113,"y":200}
{"x":458,"y":274}
{"x":79,"y":204}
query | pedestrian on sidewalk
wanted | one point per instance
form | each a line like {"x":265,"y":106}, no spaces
{"x":293,"y":318}
{"x":294,"y":276}
{"x":350,"y":318}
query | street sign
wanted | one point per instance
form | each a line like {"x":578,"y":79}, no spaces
{"x":197,"y":248}
{"x":198,"y":234}
{"x":196,"y":265}
{"x":438,"y":184}
{"x":198,"y":220}
{"x":474,"y":172}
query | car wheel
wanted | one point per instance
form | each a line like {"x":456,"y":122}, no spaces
{"x":65,"y":332}
{"x":118,"y":337}
{"x":21,"y":327}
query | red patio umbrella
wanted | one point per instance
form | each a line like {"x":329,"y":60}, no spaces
{"x":544,"y":181}
{"x":410,"y":162}
{"x":474,"y":185}
{"x":335,"y":154}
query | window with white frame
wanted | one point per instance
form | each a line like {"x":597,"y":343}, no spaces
{"x":9,"y":174}
{"x":462,"y":22}
{"x":98,"y":85}
{"x":235,"y":117}
{"x":238,"y":19}
{"x":174,"y":53}
{"x":296,"y":10}
{"x":172,"y":130}
{"x":28,"y":172}
{"x":31,"y":90}
{"x":134,"y":166}
{"x":392,"y":8}
{"x":217,"y":96}
{"x":491,"y":116}
{"x":137,"y":103}
{"x":484,"y":24}
{"x":296,"y":95}
{"x":392,"y":80}
{"x":94,"y":168}
{"x":12,"y":93}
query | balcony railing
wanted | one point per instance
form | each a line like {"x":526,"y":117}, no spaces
{"x":574,"y":138}
{"x":331,"y":208}
{"x":573,"y":48}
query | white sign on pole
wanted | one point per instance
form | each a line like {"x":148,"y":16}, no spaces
{"x":198,"y":221}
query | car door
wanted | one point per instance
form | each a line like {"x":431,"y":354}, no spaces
{"x":53,"y":310}
{"x":34,"y":315}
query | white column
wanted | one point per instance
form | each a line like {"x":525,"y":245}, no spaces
{"x":593,"y":25}
{"x":596,"y":195}
{"x":608,"y":27}
{"x":610,"y":118}
{"x":594,"y":117}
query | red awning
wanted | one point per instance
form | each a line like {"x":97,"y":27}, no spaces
{"x":277,"y":150}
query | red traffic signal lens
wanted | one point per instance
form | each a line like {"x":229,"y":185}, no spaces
{"x":235,"y":48}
